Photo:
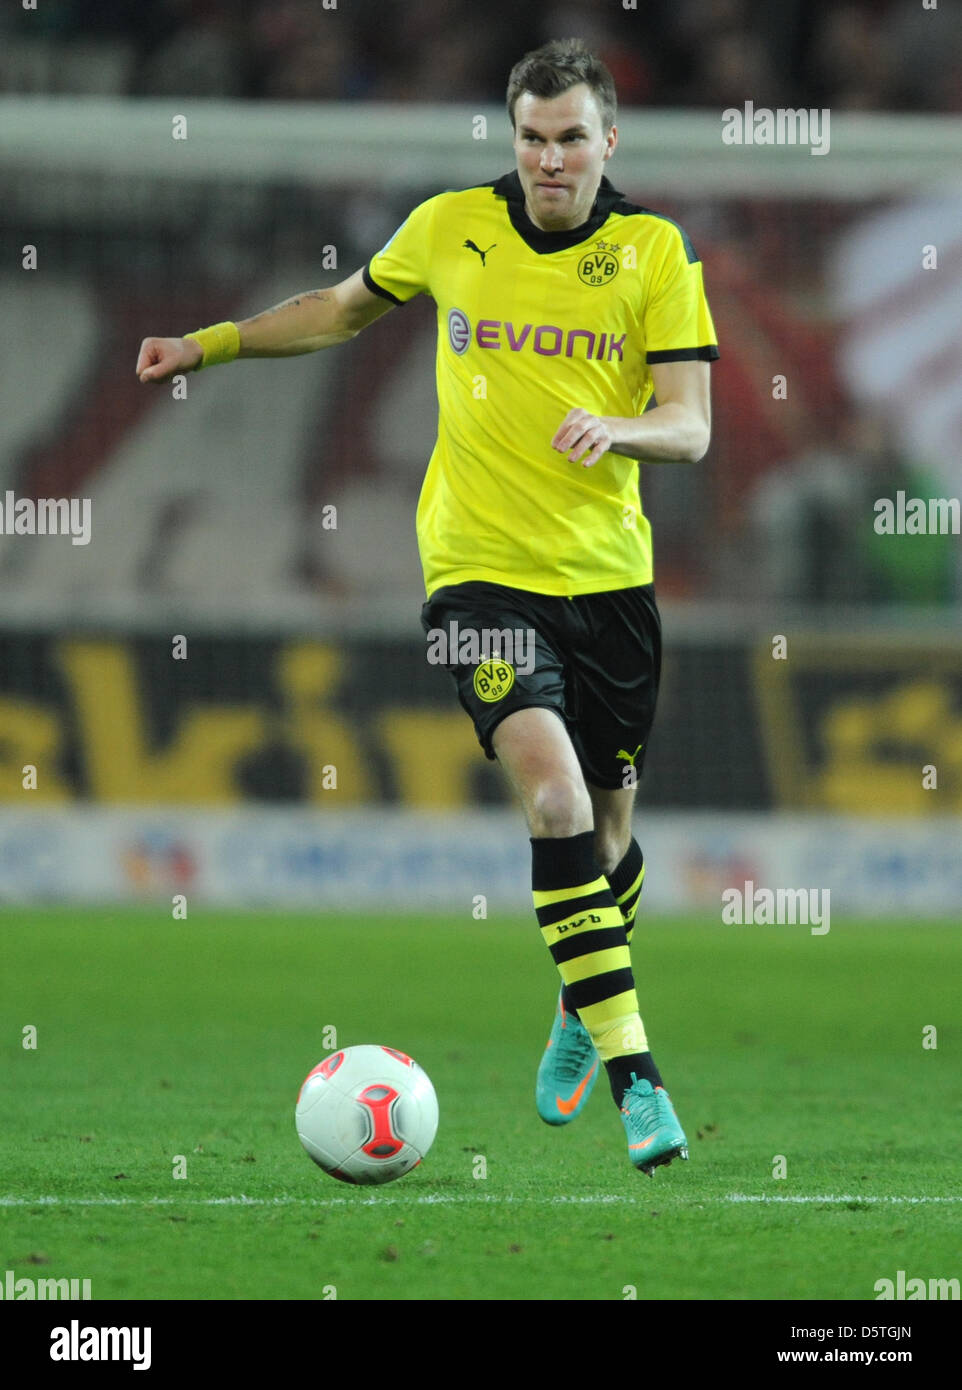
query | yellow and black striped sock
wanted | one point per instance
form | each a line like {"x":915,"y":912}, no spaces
{"x":584,"y":929}
{"x":627,"y":882}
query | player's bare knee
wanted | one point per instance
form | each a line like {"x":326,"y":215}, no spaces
{"x":558,"y":807}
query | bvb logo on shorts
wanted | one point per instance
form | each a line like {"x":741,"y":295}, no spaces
{"x":597,"y":268}
{"x":493,"y":680}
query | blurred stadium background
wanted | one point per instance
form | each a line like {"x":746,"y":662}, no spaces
{"x":268,"y":517}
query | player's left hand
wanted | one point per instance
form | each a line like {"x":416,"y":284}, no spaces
{"x":583,"y":434}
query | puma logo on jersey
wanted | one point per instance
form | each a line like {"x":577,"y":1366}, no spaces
{"x":629,"y":757}
{"x":471,"y":247}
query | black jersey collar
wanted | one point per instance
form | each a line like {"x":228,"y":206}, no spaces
{"x":509,"y":188}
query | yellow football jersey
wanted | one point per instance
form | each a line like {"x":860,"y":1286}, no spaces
{"x":532,"y":324}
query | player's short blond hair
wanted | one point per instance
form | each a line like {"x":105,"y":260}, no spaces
{"x":557,"y":66}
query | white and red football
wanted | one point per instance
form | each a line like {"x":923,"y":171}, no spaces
{"x":367,"y":1114}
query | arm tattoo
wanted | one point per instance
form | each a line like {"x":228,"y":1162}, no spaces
{"x":310,"y":294}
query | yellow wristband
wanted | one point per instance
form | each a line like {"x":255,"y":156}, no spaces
{"x":220,"y":343}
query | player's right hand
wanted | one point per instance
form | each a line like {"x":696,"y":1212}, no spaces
{"x":162,"y":358}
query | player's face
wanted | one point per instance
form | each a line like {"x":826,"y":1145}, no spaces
{"x":561,"y":150}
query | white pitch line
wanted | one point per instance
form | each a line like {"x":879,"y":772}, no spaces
{"x":426,"y":1200}
{"x":431,"y":1199}
{"x":851,"y":1197}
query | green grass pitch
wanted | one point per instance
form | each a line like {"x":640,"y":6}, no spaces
{"x":158,"y":1038}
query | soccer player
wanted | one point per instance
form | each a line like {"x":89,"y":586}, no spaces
{"x":562,"y":309}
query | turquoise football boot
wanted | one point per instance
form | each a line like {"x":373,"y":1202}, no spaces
{"x":568,"y":1070}
{"x":654,"y":1134}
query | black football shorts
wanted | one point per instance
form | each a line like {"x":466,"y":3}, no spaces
{"x":594,"y":659}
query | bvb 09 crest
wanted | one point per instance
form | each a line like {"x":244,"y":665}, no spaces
{"x":598,"y":267}
{"x":493,"y":680}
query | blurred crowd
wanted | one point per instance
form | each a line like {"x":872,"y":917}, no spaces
{"x":882,"y":55}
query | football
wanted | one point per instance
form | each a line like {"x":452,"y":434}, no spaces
{"x":367,"y":1114}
